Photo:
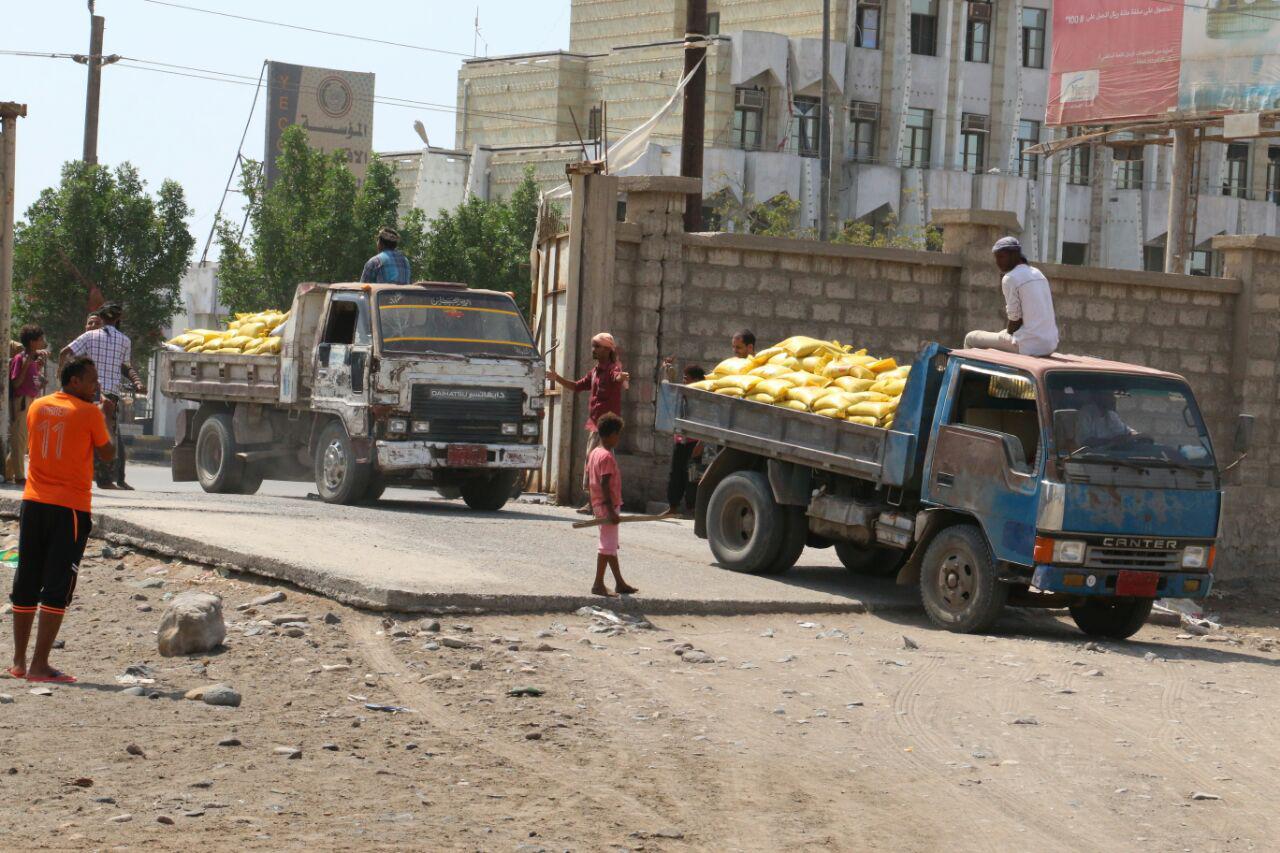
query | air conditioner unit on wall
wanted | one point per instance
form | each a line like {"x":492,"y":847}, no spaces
{"x":749,"y":98}
{"x":979,"y":10}
{"x":973,"y":123}
{"x":864,"y":111}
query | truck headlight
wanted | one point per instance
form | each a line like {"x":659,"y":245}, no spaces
{"x":1068,"y":552}
{"x":510,"y":429}
{"x":1197,"y":557}
{"x":529,"y":429}
{"x":397,"y":425}
{"x":422,"y":426}
{"x":538,"y":403}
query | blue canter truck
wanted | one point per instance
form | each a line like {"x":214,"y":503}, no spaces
{"x":1047,"y":482}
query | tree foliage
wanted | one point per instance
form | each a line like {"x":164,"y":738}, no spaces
{"x":778,"y":217}
{"x":312,"y":224}
{"x":99,"y":227}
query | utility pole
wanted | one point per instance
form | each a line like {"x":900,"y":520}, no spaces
{"x":824,"y":128}
{"x":94,"y":61}
{"x":1176,"y":248}
{"x":695,"y":108}
{"x":9,"y":115}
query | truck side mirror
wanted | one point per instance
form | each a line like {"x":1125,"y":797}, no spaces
{"x":1244,"y":434}
{"x":1064,"y":429}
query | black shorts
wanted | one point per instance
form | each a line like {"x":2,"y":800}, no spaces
{"x":51,"y":541}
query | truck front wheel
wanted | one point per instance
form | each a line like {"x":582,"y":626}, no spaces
{"x":745,"y":526}
{"x":218,"y":469}
{"x":489,"y":494}
{"x":958,"y":582}
{"x":1116,"y":620}
{"x":340,"y":479}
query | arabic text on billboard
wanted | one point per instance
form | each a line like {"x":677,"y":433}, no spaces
{"x":334,"y":107}
{"x":1133,"y":59}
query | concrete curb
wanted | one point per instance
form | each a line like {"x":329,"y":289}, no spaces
{"x":368,"y":597}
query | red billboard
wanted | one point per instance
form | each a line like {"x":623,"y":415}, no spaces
{"x":1114,"y":60}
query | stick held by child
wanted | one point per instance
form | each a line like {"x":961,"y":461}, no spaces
{"x":605,"y":482}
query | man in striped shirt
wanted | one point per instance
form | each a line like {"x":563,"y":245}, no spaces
{"x":389,"y":266}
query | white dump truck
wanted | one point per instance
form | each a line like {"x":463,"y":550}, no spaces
{"x":431,"y":385}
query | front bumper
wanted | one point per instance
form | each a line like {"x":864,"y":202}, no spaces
{"x":1168,"y":584}
{"x":410,"y":455}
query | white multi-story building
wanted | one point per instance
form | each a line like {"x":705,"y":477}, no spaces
{"x":936,"y":101}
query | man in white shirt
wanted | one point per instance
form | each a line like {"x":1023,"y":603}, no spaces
{"x":1032,"y":328}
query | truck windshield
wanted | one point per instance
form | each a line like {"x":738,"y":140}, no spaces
{"x":1136,"y":421}
{"x":464,"y":323}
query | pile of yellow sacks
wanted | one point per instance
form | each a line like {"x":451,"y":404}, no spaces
{"x":247,"y":334}
{"x":822,"y":377}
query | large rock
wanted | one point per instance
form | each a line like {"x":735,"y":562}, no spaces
{"x":192,"y":624}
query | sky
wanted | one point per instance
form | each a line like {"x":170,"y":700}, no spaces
{"x":188,"y":129}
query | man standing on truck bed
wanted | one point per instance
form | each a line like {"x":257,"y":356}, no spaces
{"x":112,"y":354}
{"x":606,"y":381}
{"x":389,"y":266}
{"x":1032,"y":328}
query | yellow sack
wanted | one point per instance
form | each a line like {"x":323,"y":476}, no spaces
{"x":794,"y":405}
{"x":807,"y":395}
{"x":892,"y":387}
{"x":769,"y":371}
{"x":841,"y":367}
{"x":834,"y":399}
{"x":238,"y":341}
{"x":801,"y":378}
{"x":704,"y":385}
{"x":732,"y":367}
{"x":883,"y":365}
{"x":787,"y":360}
{"x":868,"y":397}
{"x":861,"y":419}
{"x":194,"y":346}
{"x":872,"y":410}
{"x":764,"y":355}
{"x":773,"y":387}
{"x":227,"y":351}
{"x":800,"y":345}
{"x":836,"y":414}
{"x":744,"y":382}
{"x":850,"y":383}
{"x":271,"y":346}
{"x":761,"y":398}
{"x":887,"y":423}
{"x":731,"y":392}
{"x":815,"y":363}
{"x":254,"y":329}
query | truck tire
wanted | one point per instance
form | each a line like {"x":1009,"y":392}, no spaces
{"x":250,"y":478}
{"x":796,"y":524}
{"x":1116,"y":620}
{"x":745,"y":527}
{"x":489,"y":494}
{"x":373,"y":492}
{"x":874,"y":561}
{"x":218,"y":469}
{"x":340,"y":479}
{"x":958,"y":582}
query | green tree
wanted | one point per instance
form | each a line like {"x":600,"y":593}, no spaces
{"x":99,"y":227}
{"x":312,"y":224}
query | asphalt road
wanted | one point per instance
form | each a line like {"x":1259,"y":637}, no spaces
{"x":415,"y":550}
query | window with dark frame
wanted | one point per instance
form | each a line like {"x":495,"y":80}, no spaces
{"x":593,"y":123}
{"x":863,"y":124}
{"x":1074,"y":253}
{"x":1202,"y":262}
{"x":748,"y":118}
{"x":1028,"y":135}
{"x":977,"y":39}
{"x":1128,"y":174}
{"x":1273,"y":174}
{"x":805,"y":115}
{"x":713,"y":23}
{"x":1235,"y":178}
{"x":924,"y":27}
{"x":1153,"y":258}
{"x":973,"y":143}
{"x":1034,"y":24}
{"x":867,"y":26}
{"x":1079,"y":165}
{"x":918,"y":145}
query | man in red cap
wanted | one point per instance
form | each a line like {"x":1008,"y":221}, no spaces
{"x":606,"y":382}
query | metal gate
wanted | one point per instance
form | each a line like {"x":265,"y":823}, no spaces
{"x":550,"y":305}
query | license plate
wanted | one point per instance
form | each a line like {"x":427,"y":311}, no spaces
{"x":1137,"y":583}
{"x":466,"y":455}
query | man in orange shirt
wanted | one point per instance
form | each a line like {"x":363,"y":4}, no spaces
{"x":64,"y":430}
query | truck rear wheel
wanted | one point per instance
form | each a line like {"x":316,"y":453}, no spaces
{"x":796,"y":531}
{"x":340,"y":479}
{"x":745,"y":527}
{"x":1117,"y":620}
{"x":489,"y":494}
{"x":251,"y":479}
{"x":875,"y":561}
{"x":958,"y":582}
{"x":218,"y":469}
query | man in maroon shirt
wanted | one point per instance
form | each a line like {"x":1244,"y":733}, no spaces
{"x":606,"y":382}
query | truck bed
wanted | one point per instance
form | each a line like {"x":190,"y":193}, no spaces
{"x":223,"y":377}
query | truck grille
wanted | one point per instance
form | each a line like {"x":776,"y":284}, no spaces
{"x":466,"y":414}
{"x":1143,"y":559}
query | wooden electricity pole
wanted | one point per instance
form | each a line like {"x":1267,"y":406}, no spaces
{"x":94,"y":61}
{"x":1180,"y":235}
{"x":695,"y":108}
{"x":9,"y":115}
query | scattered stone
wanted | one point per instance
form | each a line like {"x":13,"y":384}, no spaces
{"x":533,"y":736}
{"x":854,"y":704}
{"x":544,"y":634}
{"x":220,"y":695}
{"x":192,"y":624}
{"x":108,"y":801}
{"x":120,"y":818}
{"x":269,"y":598}
{"x":229,"y":741}
{"x":144,"y":608}
{"x":135,"y":690}
{"x":203,"y":784}
{"x":463,"y":628}
{"x":1026,"y":721}
{"x":59,"y":644}
{"x":140,"y":671}
{"x":433,"y":626}
{"x":454,"y":642}
{"x":109,"y":553}
{"x":832,"y":634}
{"x":41,"y":691}
{"x":332,"y":619}
{"x":294,"y":631}
{"x":1094,"y":673}
{"x":82,"y":782}
{"x":1149,"y":657}
{"x":150,"y":583}
{"x":526,"y":691}
{"x":134,"y":749}
{"x":330,"y":747}
{"x":1201,"y":795}
{"x":696,"y":656}
{"x":165,"y":819}
{"x":476,"y":665}
{"x":289,"y":617}
{"x":545,"y":647}
{"x":670,"y":834}
{"x":6,"y":699}
{"x":908,"y":643}
{"x":334,"y":667}
{"x":767,"y":632}
{"x":194,"y":813}
{"x":290,"y":752}
{"x":431,"y":647}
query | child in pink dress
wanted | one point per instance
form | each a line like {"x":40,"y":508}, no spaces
{"x":605,"y":482}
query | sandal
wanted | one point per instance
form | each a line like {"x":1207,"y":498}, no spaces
{"x":58,"y":677}
{"x":14,"y":672}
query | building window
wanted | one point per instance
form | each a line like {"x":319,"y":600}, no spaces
{"x":1028,"y":135}
{"x":713,"y":23}
{"x":867,"y":31}
{"x":1273,"y":174}
{"x":973,"y":142}
{"x":1235,"y":180}
{"x":864,"y":120}
{"x":1033,"y":27}
{"x":977,"y":39}
{"x":805,"y":114}
{"x":924,"y":27}
{"x":1080,"y":163}
{"x":1074,"y":253}
{"x":917,"y":146}
{"x":593,"y":123}
{"x":1153,"y":258}
{"x":1128,"y":174}
{"x":748,"y":119}
{"x":1202,"y":262}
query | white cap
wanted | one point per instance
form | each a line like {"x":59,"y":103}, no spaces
{"x":1007,"y":243}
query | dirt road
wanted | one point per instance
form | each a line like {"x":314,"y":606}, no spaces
{"x":794,"y":734}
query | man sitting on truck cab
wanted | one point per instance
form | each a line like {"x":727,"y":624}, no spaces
{"x":389,"y":266}
{"x":1032,"y":328}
